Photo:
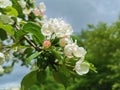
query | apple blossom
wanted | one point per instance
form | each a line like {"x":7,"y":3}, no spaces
{"x":22,"y":3}
{"x":2,"y":56}
{"x":56,"y":26}
{"x":69,"y":49}
{"x":32,"y":1}
{"x":42,"y":7}
{"x":47,"y":29}
{"x":27,"y":11}
{"x":64,"y":41}
{"x":81,"y":67}
{"x":5,"y":3}
{"x":79,"y":52}
{"x":73,"y":49}
{"x":46,"y":44}
{"x":36,"y":11}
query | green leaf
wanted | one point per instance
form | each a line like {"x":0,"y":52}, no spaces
{"x":74,"y":37}
{"x":41,"y":76}
{"x":8,"y":28}
{"x":35,"y":30}
{"x":33,"y":80}
{"x":3,"y":34}
{"x":19,"y":34}
{"x":56,"y":54}
{"x":10,"y":11}
{"x":29,"y":80}
{"x":62,"y":76}
{"x":28,"y":51}
{"x":92,"y":67}
{"x":18,"y":8}
{"x":55,"y":41}
{"x":5,"y":19}
{"x":32,"y":56}
{"x":34,"y":87}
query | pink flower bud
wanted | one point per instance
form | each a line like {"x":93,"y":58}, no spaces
{"x":46,"y":44}
{"x":36,"y":12}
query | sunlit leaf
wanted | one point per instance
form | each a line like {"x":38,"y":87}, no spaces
{"x":10,"y":11}
{"x":18,"y":8}
{"x":32,"y":56}
{"x":35,"y":30}
{"x":5,"y":19}
{"x":8,"y":28}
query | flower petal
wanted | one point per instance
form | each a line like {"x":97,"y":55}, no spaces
{"x":82,"y":68}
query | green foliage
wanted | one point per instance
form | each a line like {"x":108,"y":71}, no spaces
{"x":10,"y":11}
{"x":102,"y":43}
{"x":35,"y":30}
{"x":18,"y":8}
{"x":26,"y":82}
{"x":32,"y":56}
{"x":33,"y":80}
{"x":8,"y":28}
{"x":5,"y":19}
{"x":62,"y":76}
{"x":20,"y":34}
{"x":3,"y":34}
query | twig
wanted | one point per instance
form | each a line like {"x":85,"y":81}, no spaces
{"x":29,"y":41}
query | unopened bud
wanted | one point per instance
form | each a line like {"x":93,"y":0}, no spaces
{"x":46,"y":44}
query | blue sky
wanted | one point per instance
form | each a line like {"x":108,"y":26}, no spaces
{"x":78,"y":13}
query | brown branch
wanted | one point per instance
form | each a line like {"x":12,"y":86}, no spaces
{"x":30,"y":42}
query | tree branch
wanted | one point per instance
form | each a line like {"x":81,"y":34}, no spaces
{"x":30,"y":42}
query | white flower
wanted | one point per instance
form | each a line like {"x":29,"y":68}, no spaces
{"x":1,"y":56}
{"x":61,"y":28}
{"x":5,"y":3}
{"x":79,"y":52}
{"x":81,"y":67}
{"x":22,"y":3}
{"x":64,"y":41}
{"x":42,"y":7}
{"x":73,"y":49}
{"x":32,"y":1}
{"x":27,"y":11}
{"x":58,"y":27}
{"x":1,"y":70}
{"x":69,"y":49}
{"x":47,"y":29}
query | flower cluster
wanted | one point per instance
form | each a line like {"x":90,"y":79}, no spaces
{"x":49,"y":38}
{"x":57,"y":28}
